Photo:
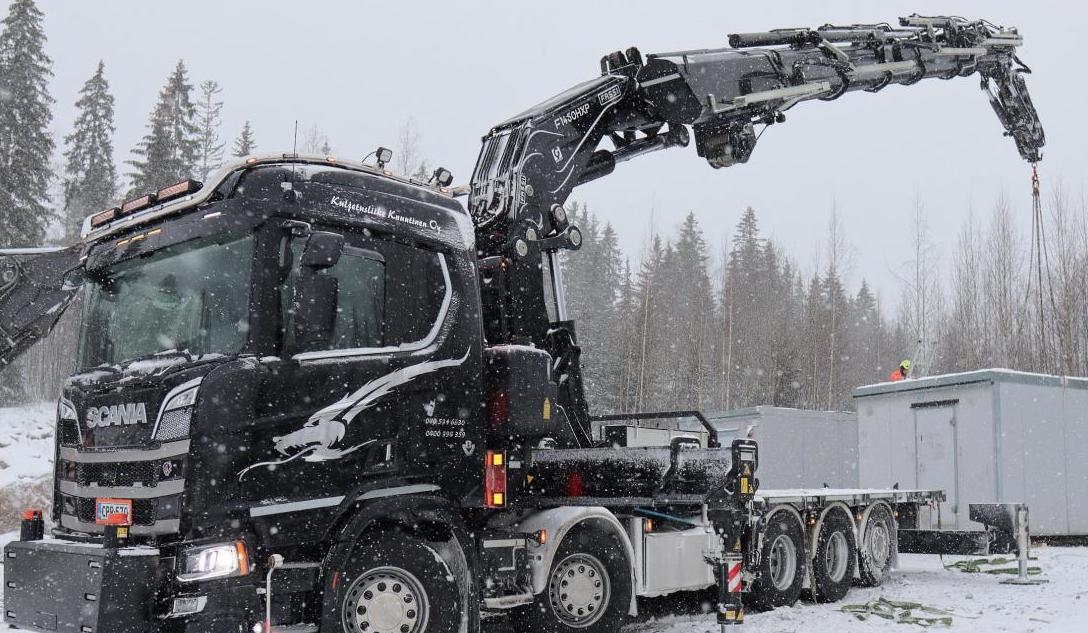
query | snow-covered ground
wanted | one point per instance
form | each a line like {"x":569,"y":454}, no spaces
{"x":26,"y":460}
{"x":26,"y":443}
{"x":977,"y":602}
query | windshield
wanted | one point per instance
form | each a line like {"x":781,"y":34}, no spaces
{"x":191,"y":298}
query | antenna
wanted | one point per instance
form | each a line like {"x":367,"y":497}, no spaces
{"x":290,"y":194}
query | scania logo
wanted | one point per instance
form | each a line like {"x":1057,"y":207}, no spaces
{"x":117,"y":414}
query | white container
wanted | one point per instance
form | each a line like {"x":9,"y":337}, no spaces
{"x":797,"y":449}
{"x":986,"y":436}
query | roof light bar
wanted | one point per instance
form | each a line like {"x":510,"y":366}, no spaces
{"x":104,"y":217}
{"x":134,"y":205}
{"x":182,"y":188}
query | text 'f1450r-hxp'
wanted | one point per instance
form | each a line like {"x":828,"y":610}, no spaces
{"x":314,"y":395}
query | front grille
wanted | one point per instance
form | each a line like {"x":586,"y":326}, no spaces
{"x":174,"y":424}
{"x":120,"y":474}
{"x":69,"y":432}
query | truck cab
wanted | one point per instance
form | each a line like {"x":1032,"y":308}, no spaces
{"x":257,"y":355}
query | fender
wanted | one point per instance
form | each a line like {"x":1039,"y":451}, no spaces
{"x":864,"y":523}
{"x":393,"y":503}
{"x":559,"y":522}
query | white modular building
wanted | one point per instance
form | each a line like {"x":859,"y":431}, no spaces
{"x":985,"y":436}
{"x":797,"y":448}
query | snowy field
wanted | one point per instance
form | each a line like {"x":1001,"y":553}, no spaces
{"x":978,"y":602}
{"x":26,"y":460}
{"x":974,"y":601}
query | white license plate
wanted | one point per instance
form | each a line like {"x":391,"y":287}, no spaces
{"x":113,"y":512}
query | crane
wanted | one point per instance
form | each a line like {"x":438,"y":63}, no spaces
{"x":529,"y":164}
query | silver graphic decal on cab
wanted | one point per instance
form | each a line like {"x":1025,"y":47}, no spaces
{"x":318,"y":440}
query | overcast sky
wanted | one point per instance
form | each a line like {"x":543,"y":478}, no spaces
{"x":359,"y":70}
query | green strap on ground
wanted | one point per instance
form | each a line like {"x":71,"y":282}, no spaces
{"x":977,"y":565}
{"x":900,"y":612}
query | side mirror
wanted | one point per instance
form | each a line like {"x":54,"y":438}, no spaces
{"x":316,"y":293}
{"x":323,"y":250}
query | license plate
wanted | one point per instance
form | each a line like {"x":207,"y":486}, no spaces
{"x":113,"y":511}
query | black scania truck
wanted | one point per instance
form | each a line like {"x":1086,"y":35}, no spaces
{"x":314,"y":395}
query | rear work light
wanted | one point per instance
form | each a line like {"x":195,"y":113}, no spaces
{"x":495,"y":479}
{"x":182,"y":188}
{"x":105,"y":217}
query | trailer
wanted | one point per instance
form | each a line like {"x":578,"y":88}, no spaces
{"x":820,"y":539}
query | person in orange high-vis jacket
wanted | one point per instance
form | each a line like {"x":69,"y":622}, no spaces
{"x":901,"y":372}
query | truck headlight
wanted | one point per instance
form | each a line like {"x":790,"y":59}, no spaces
{"x":176,"y":414}
{"x":181,"y":400}
{"x":66,"y":410}
{"x":219,"y":560}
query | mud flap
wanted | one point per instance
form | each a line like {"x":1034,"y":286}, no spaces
{"x":33,"y":296}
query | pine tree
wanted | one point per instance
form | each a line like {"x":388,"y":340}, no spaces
{"x":25,"y":141}
{"x":210,"y":150}
{"x":90,"y":181}
{"x":245,"y":144}
{"x":168,"y":152}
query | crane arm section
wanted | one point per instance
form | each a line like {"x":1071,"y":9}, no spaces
{"x":529,"y":164}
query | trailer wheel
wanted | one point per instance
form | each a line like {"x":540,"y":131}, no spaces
{"x":878,"y":545}
{"x":782,"y":565}
{"x":589,"y":587}
{"x":394,"y":583}
{"x":833,"y":560}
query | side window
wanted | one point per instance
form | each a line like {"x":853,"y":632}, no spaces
{"x":360,"y":305}
{"x":388,"y":295}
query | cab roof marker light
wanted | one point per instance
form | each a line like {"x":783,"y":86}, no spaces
{"x":177,"y":190}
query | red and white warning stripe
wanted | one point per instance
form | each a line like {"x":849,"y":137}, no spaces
{"x":734,"y":576}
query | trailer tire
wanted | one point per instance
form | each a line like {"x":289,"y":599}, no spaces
{"x":833,"y":560}
{"x":781,"y":572}
{"x":877,"y":548}
{"x":394,"y":580}
{"x":595,"y":562}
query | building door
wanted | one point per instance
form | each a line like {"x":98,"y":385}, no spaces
{"x":935,"y":451}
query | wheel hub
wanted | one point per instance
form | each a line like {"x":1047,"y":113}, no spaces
{"x":783,"y":562}
{"x":386,"y":600}
{"x":878,"y":545}
{"x":579,"y":590}
{"x":836,"y":556}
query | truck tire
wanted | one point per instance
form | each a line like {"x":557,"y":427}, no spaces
{"x":877,"y":547}
{"x":833,"y":560}
{"x":395,"y":583}
{"x":781,"y":571}
{"x":589,"y":586}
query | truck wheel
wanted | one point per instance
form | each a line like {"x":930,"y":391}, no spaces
{"x":833,"y":560}
{"x":878,"y":544}
{"x":782,"y":566}
{"x":589,"y":587}
{"x":393,"y":583}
